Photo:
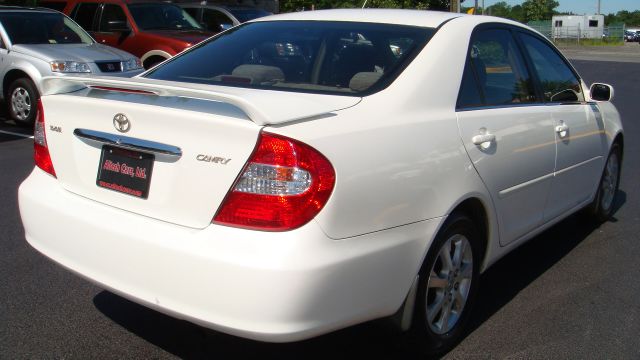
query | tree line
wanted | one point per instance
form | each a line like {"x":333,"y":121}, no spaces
{"x":528,"y":11}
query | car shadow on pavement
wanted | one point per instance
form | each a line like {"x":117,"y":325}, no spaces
{"x":524,"y":265}
{"x":190,"y":341}
{"x":370,"y":340}
{"x":9,"y":131}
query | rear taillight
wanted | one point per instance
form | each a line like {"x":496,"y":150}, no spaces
{"x":283,"y":186}
{"x":40,"y":149}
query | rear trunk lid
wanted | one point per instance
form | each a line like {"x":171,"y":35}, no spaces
{"x":192,"y":149}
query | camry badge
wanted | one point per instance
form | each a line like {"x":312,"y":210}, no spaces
{"x":121,"y":123}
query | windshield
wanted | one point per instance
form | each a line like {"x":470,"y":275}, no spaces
{"x":307,"y":56}
{"x":244,"y":15}
{"x":160,"y":16}
{"x":42,"y":28}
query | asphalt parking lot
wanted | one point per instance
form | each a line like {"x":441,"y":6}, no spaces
{"x":572,"y":292}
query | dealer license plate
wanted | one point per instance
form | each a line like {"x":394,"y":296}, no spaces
{"x":125,"y":171}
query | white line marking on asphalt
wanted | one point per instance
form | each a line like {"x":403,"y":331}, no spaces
{"x":17,"y":134}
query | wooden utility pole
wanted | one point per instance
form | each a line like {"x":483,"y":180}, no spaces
{"x":598,"y":13}
{"x":455,"y":6}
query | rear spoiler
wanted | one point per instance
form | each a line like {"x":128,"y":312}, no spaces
{"x":262,"y":107}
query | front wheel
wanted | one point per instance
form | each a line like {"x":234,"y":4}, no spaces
{"x":603,"y":205}
{"x":448,"y":282}
{"x":22,"y":99}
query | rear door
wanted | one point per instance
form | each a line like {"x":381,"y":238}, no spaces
{"x":113,"y":29}
{"x":506,"y":131}
{"x":579,"y":130}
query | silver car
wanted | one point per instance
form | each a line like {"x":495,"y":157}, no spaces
{"x":42,"y":42}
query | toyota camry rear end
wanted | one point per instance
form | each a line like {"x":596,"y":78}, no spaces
{"x":207,"y":195}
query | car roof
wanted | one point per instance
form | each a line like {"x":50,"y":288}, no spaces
{"x":22,"y":9}
{"x":421,"y":18}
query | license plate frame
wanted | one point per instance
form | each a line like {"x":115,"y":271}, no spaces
{"x":125,"y":171}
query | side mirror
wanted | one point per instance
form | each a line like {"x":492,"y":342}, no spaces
{"x":118,"y":26}
{"x":601,"y":92}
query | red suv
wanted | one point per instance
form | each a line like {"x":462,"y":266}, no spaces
{"x":153,"y":31}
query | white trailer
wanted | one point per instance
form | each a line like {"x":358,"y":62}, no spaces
{"x":578,"y":26}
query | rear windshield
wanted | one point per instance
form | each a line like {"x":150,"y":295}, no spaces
{"x":307,"y":56}
{"x":34,"y":27}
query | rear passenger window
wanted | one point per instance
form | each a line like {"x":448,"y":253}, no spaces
{"x":469,"y":92}
{"x":193,"y":12}
{"x":84,"y":15}
{"x":215,"y":20}
{"x":501,"y":73}
{"x":559,"y":83}
{"x":112,"y":15}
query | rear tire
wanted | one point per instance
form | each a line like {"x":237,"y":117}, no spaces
{"x":447,"y":287}
{"x":603,"y":204}
{"x":22,"y":99}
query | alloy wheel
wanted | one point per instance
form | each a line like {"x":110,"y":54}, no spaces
{"x":21,"y":103}
{"x":449,"y":284}
{"x":610,"y":181}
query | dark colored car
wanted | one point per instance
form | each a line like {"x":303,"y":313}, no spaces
{"x":153,"y":31}
{"x":631,"y":36}
{"x":220,"y":17}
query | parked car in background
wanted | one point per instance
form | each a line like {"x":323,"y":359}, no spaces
{"x":309,"y":171}
{"x":44,"y":42}
{"x":631,"y":36}
{"x":217,"y":17}
{"x":57,"y":5}
{"x":153,"y":31}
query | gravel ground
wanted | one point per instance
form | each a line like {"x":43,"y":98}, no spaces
{"x":628,"y":53}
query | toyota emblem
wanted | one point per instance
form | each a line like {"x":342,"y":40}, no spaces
{"x":121,"y":123}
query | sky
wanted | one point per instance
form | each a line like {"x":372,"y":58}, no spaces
{"x":578,"y":6}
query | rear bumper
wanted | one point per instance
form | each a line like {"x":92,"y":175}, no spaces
{"x":266,"y":286}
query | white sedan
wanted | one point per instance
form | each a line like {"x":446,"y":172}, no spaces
{"x":331,"y":167}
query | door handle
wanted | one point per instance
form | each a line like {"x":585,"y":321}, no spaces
{"x":483,"y":139}
{"x":562,"y":129}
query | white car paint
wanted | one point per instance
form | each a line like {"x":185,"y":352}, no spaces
{"x":403,"y":159}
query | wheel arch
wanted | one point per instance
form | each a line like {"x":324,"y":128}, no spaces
{"x":154,"y":54}
{"x":12,"y":76}
{"x":619,"y":139}
{"x":477,"y":210}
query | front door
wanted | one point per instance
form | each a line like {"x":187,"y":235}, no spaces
{"x":579,"y":129}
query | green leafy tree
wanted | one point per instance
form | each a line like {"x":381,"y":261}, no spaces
{"x":501,"y":9}
{"x":517,"y":14}
{"x":630,"y":18}
{"x":539,"y":9}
